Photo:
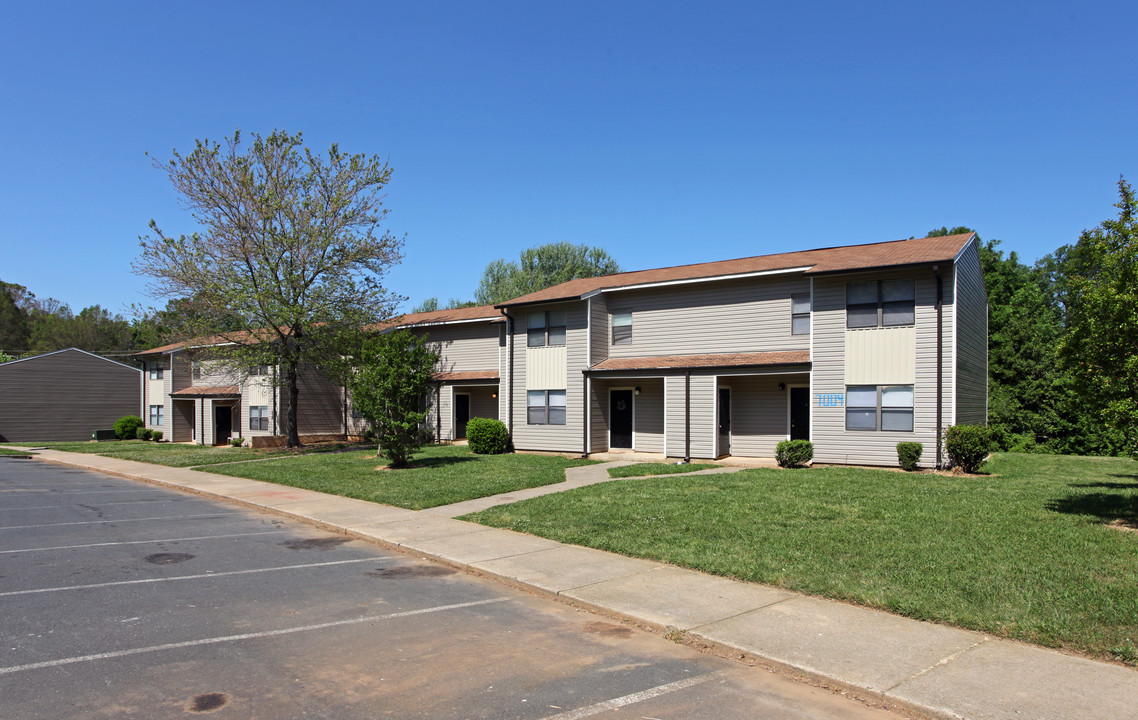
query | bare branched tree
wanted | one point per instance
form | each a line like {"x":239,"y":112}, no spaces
{"x":288,"y":262}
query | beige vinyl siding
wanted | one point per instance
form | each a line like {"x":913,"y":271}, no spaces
{"x":648,"y":416}
{"x":972,"y":340}
{"x":482,"y":402}
{"x":758,"y":413}
{"x":258,"y":391}
{"x":464,"y":347}
{"x":703,"y":429}
{"x":546,"y":368}
{"x":181,"y":421}
{"x":832,"y":442}
{"x":446,"y":413}
{"x":730,"y":316}
{"x":205,"y":417}
{"x":881,"y":356}
{"x":65,"y":395}
{"x":554,"y":438}
{"x":598,"y":415}
{"x":599,"y":329}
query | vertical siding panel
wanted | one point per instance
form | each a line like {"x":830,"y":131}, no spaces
{"x":703,"y":427}
{"x":446,"y":408}
{"x":972,"y":340}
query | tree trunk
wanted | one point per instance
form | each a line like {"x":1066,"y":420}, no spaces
{"x":292,"y":377}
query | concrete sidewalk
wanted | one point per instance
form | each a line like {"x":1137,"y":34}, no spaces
{"x":914,"y":666}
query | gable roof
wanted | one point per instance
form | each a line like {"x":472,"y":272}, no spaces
{"x":846,"y":258}
{"x":69,"y":350}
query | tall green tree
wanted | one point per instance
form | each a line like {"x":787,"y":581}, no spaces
{"x":541,"y":267}
{"x":1101,"y":345}
{"x":290,"y":253}
{"x":14,"y":330}
{"x":391,"y":383}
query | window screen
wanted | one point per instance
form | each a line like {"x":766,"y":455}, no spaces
{"x":622,"y":328}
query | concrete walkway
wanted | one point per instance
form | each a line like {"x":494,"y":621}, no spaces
{"x":914,"y":666}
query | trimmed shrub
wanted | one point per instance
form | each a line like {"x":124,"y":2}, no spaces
{"x":126,"y":427}
{"x":142,"y":433}
{"x":794,"y":453}
{"x":486,"y":436}
{"x":156,"y":435}
{"x":236,"y":441}
{"x":909,"y":454}
{"x":967,"y":446}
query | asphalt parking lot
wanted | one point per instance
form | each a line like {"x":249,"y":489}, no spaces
{"x":126,"y":600}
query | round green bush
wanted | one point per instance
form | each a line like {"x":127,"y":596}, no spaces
{"x":794,"y":453}
{"x":909,"y":454}
{"x":967,"y":446}
{"x":236,"y":441}
{"x":156,"y":435}
{"x":126,"y":427}
{"x":142,"y":434}
{"x":486,"y":436}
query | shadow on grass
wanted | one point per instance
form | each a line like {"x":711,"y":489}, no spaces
{"x":435,"y":462}
{"x":1108,"y":507}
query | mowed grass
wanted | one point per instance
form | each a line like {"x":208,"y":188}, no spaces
{"x":15,"y":453}
{"x":171,"y":454}
{"x":440,"y":475}
{"x":1025,"y":552}
{"x":659,"y":468}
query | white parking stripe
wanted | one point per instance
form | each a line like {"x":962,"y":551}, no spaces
{"x":142,"y":542}
{"x":186,"y":577}
{"x":236,"y":638}
{"x":615,"y":703}
{"x":103,"y":522}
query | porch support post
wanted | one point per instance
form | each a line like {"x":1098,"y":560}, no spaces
{"x":588,"y":413}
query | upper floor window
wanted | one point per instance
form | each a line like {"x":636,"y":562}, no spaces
{"x":800,"y":314}
{"x":545,"y":328}
{"x":156,"y":370}
{"x":622,"y":328}
{"x":196,"y":370}
{"x":880,"y":303}
{"x":258,"y":370}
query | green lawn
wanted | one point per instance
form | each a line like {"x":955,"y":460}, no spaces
{"x":1025,"y":552}
{"x":440,"y":475}
{"x":172,"y":454}
{"x":16,"y":453}
{"x":641,"y":469}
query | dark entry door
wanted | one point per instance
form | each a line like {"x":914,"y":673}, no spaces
{"x":620,"y":419}
{"x":724,"y":421}
{"x":799,"y":413}
{"x":461,"y":415}
{"x":223,"y":424}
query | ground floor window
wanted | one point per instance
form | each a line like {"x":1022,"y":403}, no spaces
{"x":258,"y":417}
{"x":155,"y":414}
{"x":879,"y":407}
{"x":545,"y":407}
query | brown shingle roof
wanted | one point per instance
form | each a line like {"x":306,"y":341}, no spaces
{"x":676,"y":362}
{"x":435,"y":317}
{"x":815,"y":262}
{"x":207,"y":391}
{"x":466,"y":375}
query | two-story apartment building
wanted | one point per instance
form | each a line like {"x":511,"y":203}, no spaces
{"x":855,"y":348}
{"x":192,"y":397}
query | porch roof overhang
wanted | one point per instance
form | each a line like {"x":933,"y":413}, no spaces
{"x":466,"y":376}
{"x":692,"y":362}
{"x":222,"y":391}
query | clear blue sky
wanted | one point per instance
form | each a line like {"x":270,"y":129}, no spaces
{"x":665,"y":132}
